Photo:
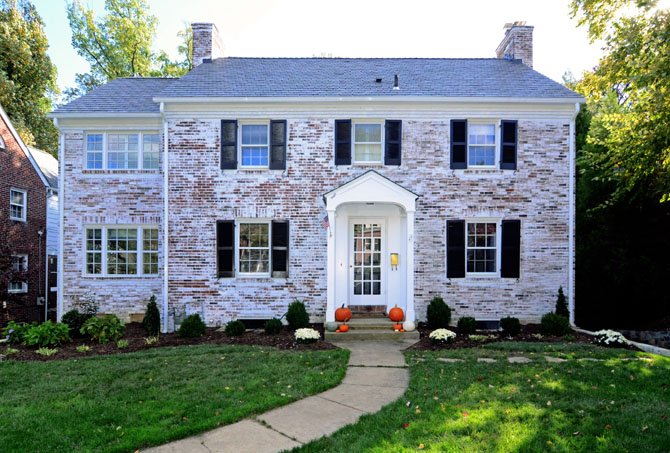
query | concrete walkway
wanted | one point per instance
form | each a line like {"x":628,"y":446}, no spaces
{"x":376,"y":376}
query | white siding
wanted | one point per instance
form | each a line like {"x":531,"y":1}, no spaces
{"x":52,"y":224}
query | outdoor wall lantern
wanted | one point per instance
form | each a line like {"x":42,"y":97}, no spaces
{"x":394,"y":261}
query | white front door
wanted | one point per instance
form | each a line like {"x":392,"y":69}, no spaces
{"x":366,"y":251}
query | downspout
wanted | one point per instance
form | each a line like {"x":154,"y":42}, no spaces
{"x":571,"y":216}
{"x":61,"y":222}
{"x":165,"y":220}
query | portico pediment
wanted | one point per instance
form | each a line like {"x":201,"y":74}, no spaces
{"x":370,"y":187}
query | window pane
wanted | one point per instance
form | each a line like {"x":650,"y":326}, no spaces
{"x":254,"y":134}
{"x":368,"y":133}
{"x":368,"y":153}
{"x":150,"y":150}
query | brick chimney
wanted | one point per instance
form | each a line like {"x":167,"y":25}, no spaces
{"x":206,"y":42}
{"x":517,"y":43}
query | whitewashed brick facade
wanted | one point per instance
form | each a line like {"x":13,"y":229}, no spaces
{"x":200,"y":193}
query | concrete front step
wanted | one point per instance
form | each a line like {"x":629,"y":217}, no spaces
{"x":371,"y":323}
{"x":359,"y":334}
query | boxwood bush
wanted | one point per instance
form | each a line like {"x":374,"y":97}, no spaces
{"x":553,"y":324}
{"x":75,"y":321}
{"x":235,"y":328}
{"x":467,"y":325}
{"x":297,"y":316}
{"x":438,"y":314}
{"x":192,"y":327}
{"x":510,"y":326}
{"x":273,"y":326}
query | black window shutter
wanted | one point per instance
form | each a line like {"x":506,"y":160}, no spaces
{"x":508,"y":146}
{"x":459,"y":144}
{"x":228,"y":144}
{"x":342,"y":142}
{"x":225,"y":248}
{"x":280,"y":241}
{"x":278,"y":145}
{"x":455,"y":248}
{"x":393,"y":142}
{"x":511,"y":249}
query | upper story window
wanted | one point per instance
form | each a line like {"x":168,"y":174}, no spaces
{"x":19,"y":265}
{"x":368,"y":143}
{"x":482,"y":145}
{"x":122,"y":151}
{"x":18,"y":204}
{"x":254,"y":145}
{"x":2,"y":143}
{"x":121,"y":251}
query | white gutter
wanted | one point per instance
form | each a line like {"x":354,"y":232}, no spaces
{"x":61,"y":221}
{"x":64,"y":115}
{"x":334,"y":99}
{"x":165,"y":222}
{"x":571,"y":217}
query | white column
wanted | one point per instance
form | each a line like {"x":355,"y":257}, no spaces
{"x":410,"y":315}
{"x":330,"y":304}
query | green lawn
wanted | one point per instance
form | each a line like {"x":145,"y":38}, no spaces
{"x":615,"y":405}
{"x":126,"y":401}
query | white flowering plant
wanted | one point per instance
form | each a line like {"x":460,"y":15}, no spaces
{"x":307,"y":335}
{"x":610,"y":338}
{"x":442,"y":336}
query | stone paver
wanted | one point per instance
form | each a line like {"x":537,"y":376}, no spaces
{"x":589,"y":359}
{"x":554,"y":359}
{"x":376,"y":376}
{"x":518,"y":359}
{"x":486,"y":360}
{"x":449,"y":360}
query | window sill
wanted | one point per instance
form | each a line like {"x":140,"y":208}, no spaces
{"x":120,"y":172}
{"x":14,"y":219}
{"x":119,"y":277}
{"x":483,"y":172}
{"x":18,"y":292}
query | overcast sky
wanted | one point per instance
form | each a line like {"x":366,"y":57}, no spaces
{"x":352,"y":28}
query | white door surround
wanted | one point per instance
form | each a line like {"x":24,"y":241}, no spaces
{"x":367,"y":264}
{"x":371,"y":197}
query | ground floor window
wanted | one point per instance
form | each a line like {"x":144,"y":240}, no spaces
{"x":127,"y":250}
{"x":254,"y":248}
{"x":481,"y":247}
{"x":19,"y":266}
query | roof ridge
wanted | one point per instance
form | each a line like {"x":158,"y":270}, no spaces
{"x":359,"y":58}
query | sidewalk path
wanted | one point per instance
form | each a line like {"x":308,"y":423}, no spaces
{"x":376,"y":376}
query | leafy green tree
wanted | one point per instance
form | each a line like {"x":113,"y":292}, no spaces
{"x":118,"y":44}
{"x":631,"y":88}
{"x":27,"y":76}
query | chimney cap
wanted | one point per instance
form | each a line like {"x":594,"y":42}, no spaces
{"x":518,"y":23}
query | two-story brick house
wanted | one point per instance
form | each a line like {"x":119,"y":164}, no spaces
{"x":28,"y":227}
{"x":251,"y":182}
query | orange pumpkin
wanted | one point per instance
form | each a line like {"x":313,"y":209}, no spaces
{"x":342,"y":314}
{"x":344,"y":328}
{"x":396,"y":314}
{"x":397,"y":327}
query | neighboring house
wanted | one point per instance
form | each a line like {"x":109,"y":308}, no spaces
{"x":28,"y":227}
{"x":369,"y":182}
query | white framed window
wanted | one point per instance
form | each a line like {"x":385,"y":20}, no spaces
{"x":482,"y":140}
{"x":253,"y":248}
{"x":121,"y":250}
{"x":2,"y":143}
{"x":122,"y":150}
{"x":18,"y":204}
{"x":482,"y":247}
{"x":19,"y":265}
{"x":254,"y":145}
{"x":368,"y":142}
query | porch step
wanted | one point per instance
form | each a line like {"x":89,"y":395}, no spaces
{"x":371,"y":335}
{"x":370,"y":323}
{"x":368,"y":310}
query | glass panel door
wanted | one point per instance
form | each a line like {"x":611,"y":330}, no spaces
{"x":366,"y":263}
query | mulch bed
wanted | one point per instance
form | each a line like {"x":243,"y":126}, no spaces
{"x":529,"y":333}
{"x":135,"y":335}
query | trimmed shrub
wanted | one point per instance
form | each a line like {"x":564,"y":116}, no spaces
{"x":273,"y":326}
{"x":510,"y":326}
{"x":467,"y":325}
{"x":438,"y":314}
{"x":235,"y":328}
{"x":152,"y":318}
{"x":75,"y":322}
{"x":562,"y":304}
{"x":297,"y":316}
{"x":15,"y":332}
{"x":192,"y":327}
{"x":553,"y":324}
{"x":47,"y":334}
{"x":104,"y":329}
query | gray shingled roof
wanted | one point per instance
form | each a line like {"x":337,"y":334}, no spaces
{"x":125,"y":95}
{"x":48,"y":165}
{"x":266,"y":77}
{"x":325,"y":77}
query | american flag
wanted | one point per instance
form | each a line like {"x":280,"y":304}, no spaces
{"x":325,"y":222}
